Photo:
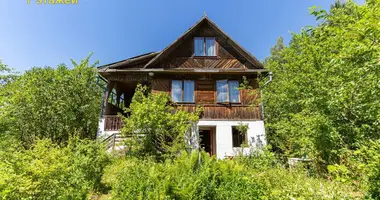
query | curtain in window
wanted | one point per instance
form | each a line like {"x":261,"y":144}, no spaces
{"x":176,"y":91}
{"x":210,"y":46}
{"x":188,"y":91}
{"x":234,"y":92}
{"x":222,"y":91}
{"x":199,"y":46}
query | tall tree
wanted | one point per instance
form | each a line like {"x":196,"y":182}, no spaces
{"x":324,"y":99}
{"x":52,"y":103}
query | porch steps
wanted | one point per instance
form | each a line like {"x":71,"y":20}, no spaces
{"x":115,"y":142}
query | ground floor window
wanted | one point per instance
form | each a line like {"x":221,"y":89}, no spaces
{"x":238,"y":138}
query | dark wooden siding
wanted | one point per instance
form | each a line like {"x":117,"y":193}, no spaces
{"x":183,"y":57}
{"x":111,"y":109}
{"x":204,"y":92}
{"x":205,"y":96}
{"x":161,"y":85}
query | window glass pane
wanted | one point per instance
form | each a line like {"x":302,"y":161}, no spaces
{"x":176,"y":91}
{"x":234,"y":91}
{"x":188,"y":91}
{"x":199,"y":46}
{"x":222,"y":91}
{"x":210,"y":46}
{"x":121,"y":103}
{"x":237,"y":138}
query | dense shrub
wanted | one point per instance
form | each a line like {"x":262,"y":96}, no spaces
{"x":361,"y":168}
{"x":165,"y":128}
{"x":197,"y":176}
{"x":48,"y":171}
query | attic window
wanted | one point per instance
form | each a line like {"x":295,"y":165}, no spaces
{"x":204,"y":46}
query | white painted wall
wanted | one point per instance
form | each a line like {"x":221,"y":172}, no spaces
{"x":224,"y":147}
{"x":223,"y":134}
{"x":100,"y":132}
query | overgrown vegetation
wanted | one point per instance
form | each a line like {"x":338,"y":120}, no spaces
{"x":165,"y":129}
{"x":48,"y":171}
{"x":197,"y":176}
{"x":324,"y":99}
{"x":52,"y":103}
{"x":323,"y":102}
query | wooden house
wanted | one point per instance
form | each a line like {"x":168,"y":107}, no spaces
{"x":203,"y":67}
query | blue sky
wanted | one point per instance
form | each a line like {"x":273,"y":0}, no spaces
{"x":47,"y":35}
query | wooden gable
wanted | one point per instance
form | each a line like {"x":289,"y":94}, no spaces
{"x":180,"y":53}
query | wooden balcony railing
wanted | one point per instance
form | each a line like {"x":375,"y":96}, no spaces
{"x":112,"y":123}
{"x":235,"y":112}
{"x":115,"y":123}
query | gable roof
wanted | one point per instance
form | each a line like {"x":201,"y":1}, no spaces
{"x":248,"y":56}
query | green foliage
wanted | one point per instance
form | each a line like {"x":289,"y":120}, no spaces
{"x":364,"y":165}
{"x":155,"y":127}
{"x":52,"y":103}
{"x":6,"y":74}
{"x":242,"y":128}
{"x":371,"y":155}
{"x":260,"y":160}
{"x":47,"y":171}
{"x":197,"y":176}
{"x":324,"y":98}
{"x":6,"y":77}
{"x":244,"y":85}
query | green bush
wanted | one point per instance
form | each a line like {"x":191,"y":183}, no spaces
{"x":48,"y":171}
{"x":373,"y":168}
{"x":361,"y":168}
{"x":165,"y":128}
{"x":197,"y":176}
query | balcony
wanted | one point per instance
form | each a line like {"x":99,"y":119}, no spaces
{"x":210,"y":112}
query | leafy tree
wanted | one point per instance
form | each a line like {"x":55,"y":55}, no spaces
{"x":324,"y":99}
{"x":52,"y":103}
{"x":6,"y":74}
{"x":155,"y":127}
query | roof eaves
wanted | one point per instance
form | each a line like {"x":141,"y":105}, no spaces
{"x":128,"y":60}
